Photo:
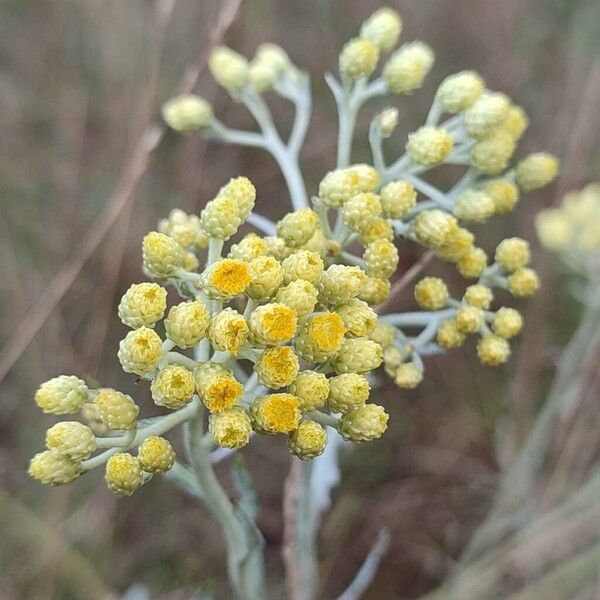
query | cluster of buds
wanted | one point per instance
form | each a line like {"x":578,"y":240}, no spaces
{"x":277,"y":334}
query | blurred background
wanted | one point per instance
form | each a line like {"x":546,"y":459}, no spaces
{"x":82,"y":180}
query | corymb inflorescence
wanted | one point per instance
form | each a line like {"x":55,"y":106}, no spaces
{"x":278,"y":332}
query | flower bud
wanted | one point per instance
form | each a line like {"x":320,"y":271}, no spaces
{"x":358,"y":355}
{"x":493,"y":350}
{"x":429,"y":146}
{"x":173,"y":387}
{"x":387,"y":121}
{"x":449,"y":336}
{"x":298,"y":227}
{"x":492,"y":154}
{"x":299,"y":295}
{"x":433,"y":228}
{"x":161,"y":255}
{"x":358,"y":58}
{"x":123,"y":474}
{"x":460,"y":91}
{"x":431,"y":293}
{"x":408,"y":376}
{"x":156,"y":455}
{"x":243,"y":192}
{"x":140,"y":351}
{"x":339,"y":283}
{"x":311,"y":388}
{"x":62,"y":395}
{"x":118,"y":411}
{"x":523,"y":283}
{"x":143,"y":304}
{"x":221,"y":217}
{"x":512,"y":254}
{"x":479,"y":295}
{"x":359,"y":318}
{"x":51,"y":468}
{"x":382,"y":28}
{"x":348,"y":391}
{"x":507,"y":322}
{"x":275,"y":413}
{"x":375,"y":291}
{"x":228,"y":331}
{"x":469,"y":319}
{"x":71,"y":439}
{"x":536,"y":171}
{"x":364,"y":423}
{"x":473,"y":205}
{"x":504,"y":195}
{"x":229,"y":68}
{"x":488,"y":111}
{"x":230,"y":428}
{"x":406,"y":69}
{"x":398,"y":198}
{"x":266,"y":277}
{"x":360,"y":209}
{"x":472,"y":263}
{"x":251,"y":246}
{"x":187,"y":113}
{"x":277,"y":367}
{"x":187,"y":323}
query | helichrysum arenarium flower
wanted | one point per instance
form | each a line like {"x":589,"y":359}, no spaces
{"x":187,"y":113}
{"x":173,"y":387}
{"x":231,"y":427}
{"x":301,"y":298}
{"x":156,"y":455}
{"x":307,"y":441}
{"x":62,"y":395}
{"x":140,"y":351}
{"x":217,"y":387}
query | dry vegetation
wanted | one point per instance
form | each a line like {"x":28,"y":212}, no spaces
{"x":85,"y":170}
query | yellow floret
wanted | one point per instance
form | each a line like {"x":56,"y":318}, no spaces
{"x":143,"y":304}
{"x":173,"y":387}
{"x":51,"y":468}
{"x":479,"y":295}
{"x":118,"y":411}
{"x":71,"y":439}
{"x":226,"y":278}
{"x":311,"y":388}
{"x":277,"y":367}
{"x":507,"y":322}
{"x":275,"y":413}
{"x":156,"y":455}
{"x":217,"y":387}
{"x":123,"y":474}
{"x":449,"y":335}
{"x":231,"y":427}
{"x":308,"y":441}
{"x":469,"y":319}
{"x":140,"y":351}
{"x":431,"y":293}
{"x":62,"y":395}
{"x":272,"y":324}
{"x":472,"y":263}
{"x":320,"y":337}
{"x":228,"y":331}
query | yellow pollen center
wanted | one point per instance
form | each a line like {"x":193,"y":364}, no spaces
{"x":281,"y":412}
{"x":327,"y":331}
{"x":231,"y":277}
{"x":280,"y":323}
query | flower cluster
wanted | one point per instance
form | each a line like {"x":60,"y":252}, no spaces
{"x":282,"y":327}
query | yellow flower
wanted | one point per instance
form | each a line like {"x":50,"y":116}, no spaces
{"x":469,"y":319}
{"x":272,"y":324}
{"x":488,"y":111}
{"x":320,"y":337}
{"x":156,"y":455}
{"x":51,"y":468}
{"x":507,"y":322}
{"x":300,"y":295}
{"x":228,"y":331}
{"x":277,"y":367}
{"x":266,"y":276}
{"x":376,"y":290}
{"x":140,"y":351}
{"x":504,"y":195}
{"x":251,"y":246}
{"x":187,"y":323}
{"x":118,"y":411}
{"x":449,"y":335}
{"x":479,"y":295}
{"x":217,"y":387}
{"x":123,"y":474}
{"x":473,"y":205}
{"x":71,"y":439}
{"x":472,"y":263}
{"x":340,"y":283}
{"x":311,"y":388}
{"x":231,"y":427}
{"x":523,"y":282}
{"x":275,"y":413}
{"x":308,"y":441}
{"x":361,"y":209}
{"x":226,"y":278}
{"x":429,"y":146}
{"x":433,"y":228}
{"x":536,"y":170}
{"x":243,"y":192}
{"x":173,"y":387}
{"x":298,"y":227}
{"x":62,"y":395}
{"x":512,"y":254}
